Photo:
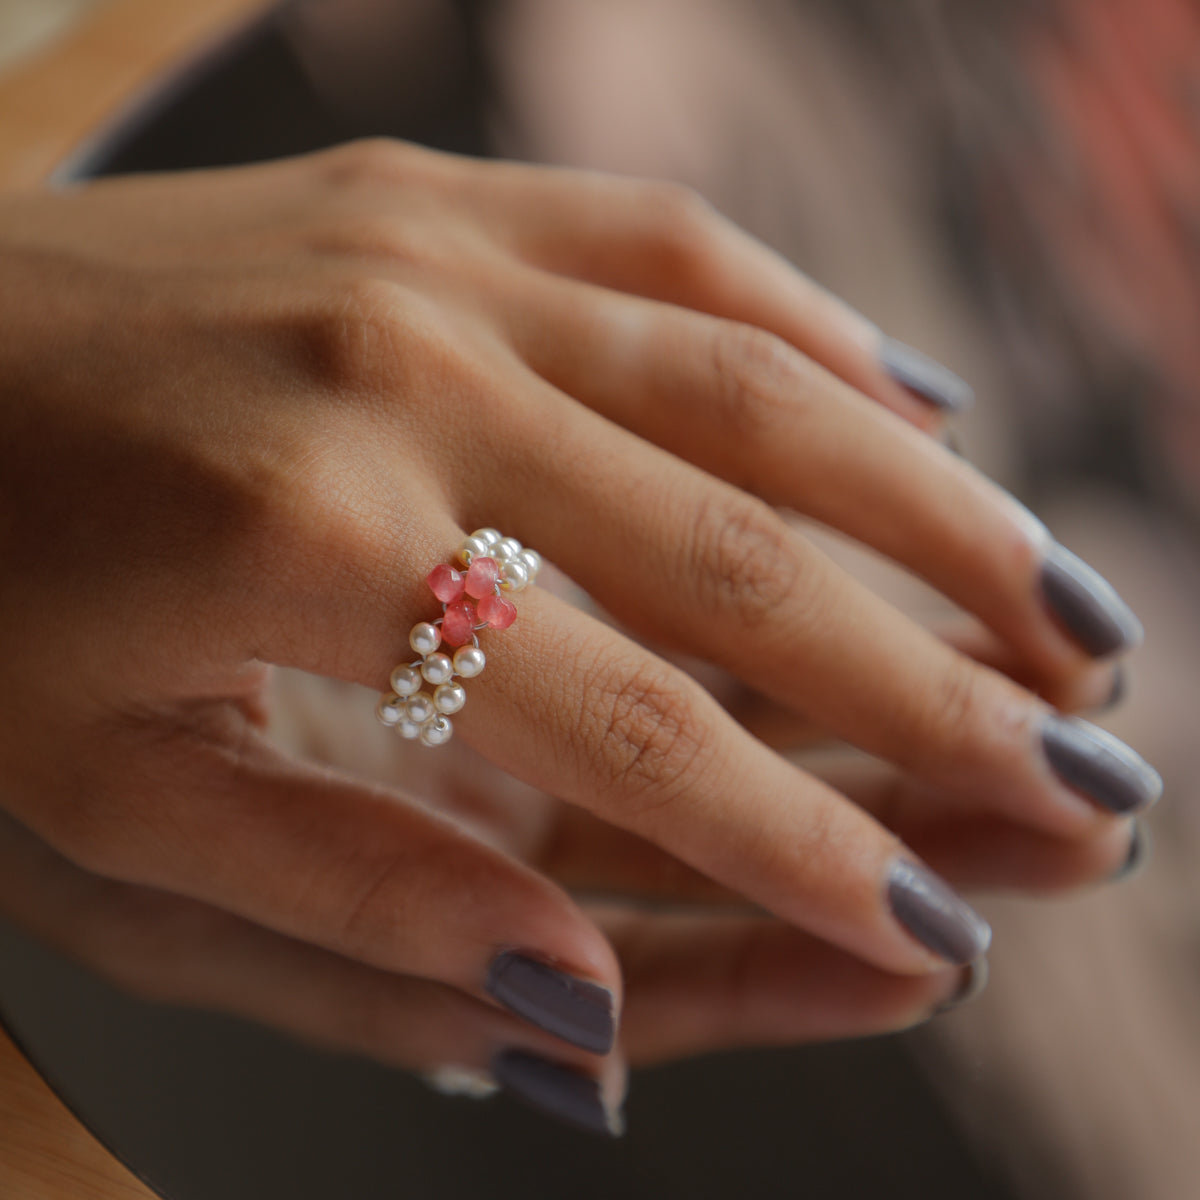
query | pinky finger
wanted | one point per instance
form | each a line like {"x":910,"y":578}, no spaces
{"x":698,"y":983}
{"x":173,"y":950}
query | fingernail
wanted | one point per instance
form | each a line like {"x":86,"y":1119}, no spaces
{"x":1098,"y":765}
{"x":919,"y":373}
{"x":1120,"y":688}
{"x":935,"y":914}
{"x":573,"y":1009}
{"x":462,"y":1081}
{"x":974,"y":980}
{"x":1087,"y":605}
{"x":556,"y":1090}
{"x":1138,"y":856}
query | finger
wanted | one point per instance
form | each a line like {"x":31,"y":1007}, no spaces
{"x":701,"y":983}
{"x":171,"y":950}
{"x":586,"y":715}
{"x":690,"y":562}
{"x":981,"y":852}
{"x":1097,"y":689}
{"x":212,"y":812}
{"x":664,"y":242}
{"x":746,"y":407}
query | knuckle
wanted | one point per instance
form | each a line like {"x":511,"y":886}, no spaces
{"x":953,"y":702}
{"x":681,"y":225}
{"x":745,"y":562}
{"x":367,"y":160}
{"x":754,"y":373}
{"x":648,"y":736}
{"x":352,"y":336}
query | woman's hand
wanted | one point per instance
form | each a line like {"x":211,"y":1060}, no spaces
{"x":246,"y":411}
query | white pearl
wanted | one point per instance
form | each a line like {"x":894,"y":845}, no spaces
{"x":513,"y":575}
{"x":406,"y":681}
{"x":506,"y":548}
{"x":469,"y":661}
{"x":471,"y":547}
{"x":408,"y":729}
{"x":533,"y":563}
{"x":437,"y":668}
{"x":437,"y":732}
{"x":420,"y":708}
{"x":425,"y":638}
{"x":390,"y":709}
{"x":450,"y":697}
{"x":489,"y":535}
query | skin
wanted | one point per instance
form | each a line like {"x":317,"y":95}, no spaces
{"x":246,"y":411}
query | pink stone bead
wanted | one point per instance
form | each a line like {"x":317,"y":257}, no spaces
{"x":482,"y":577}
{"x":458,"y":625}
{"x":497,"y":612}
{"x":445,"y":583}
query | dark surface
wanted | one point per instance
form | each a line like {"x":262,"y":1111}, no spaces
{"x":207,"y":1108}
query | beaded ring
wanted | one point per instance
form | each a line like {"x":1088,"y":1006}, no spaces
{"x":471,"y":601}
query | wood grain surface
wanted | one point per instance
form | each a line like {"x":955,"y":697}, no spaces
{"x":45,"y":1153}
{"x":54,"y":100}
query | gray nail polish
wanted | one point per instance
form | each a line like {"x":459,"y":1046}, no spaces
{"x":1138,"y":856}
{"x":929,"y":908}
{"x":573,"y":1009}
{"x":919,"y":373}
{"x":1087,"y":605}
{"x":556,"y":1090}
{"x":1120,"y":688}
{"x":1098,"y":765}
{"x":974,"y":980}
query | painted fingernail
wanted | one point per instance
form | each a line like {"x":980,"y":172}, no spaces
{"x":931,"y":382}
{"x":556,"y":1090}
{"x":1138,"y":856}
{"x":1086,"y":604}
{"x":1098,"y":765}
{"x":974,"y":980}
{"x":1120,"y":688}
{"x":573,"y":1009}
{"x":935,"y":914}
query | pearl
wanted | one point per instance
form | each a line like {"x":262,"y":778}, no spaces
{"x":420,"y":708}
{"x":437,"y":668}
{"x":425,"y":638}
{"x":406,"y":681}
{"x":437,"y":732}
{"x":513,"y":575}
{"x":469,"y":661}
{"x":390,"y":709}
{"x":533,"y":563}
{"x":471,"y":547}
{"x":489,"y":535}
{"x":506,"y":548}
{"x":408,"y":729}
{"x":450,"y":697}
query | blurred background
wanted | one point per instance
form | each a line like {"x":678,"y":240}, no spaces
{"x":1014,"y":187}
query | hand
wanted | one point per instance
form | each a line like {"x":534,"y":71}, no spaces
{"x":248,"y":410}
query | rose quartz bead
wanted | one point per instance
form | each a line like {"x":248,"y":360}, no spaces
{"x":445,"y":583}
{"x":482,"y":577}
{"x":458,"y":625}
{"x":497,"y":612}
